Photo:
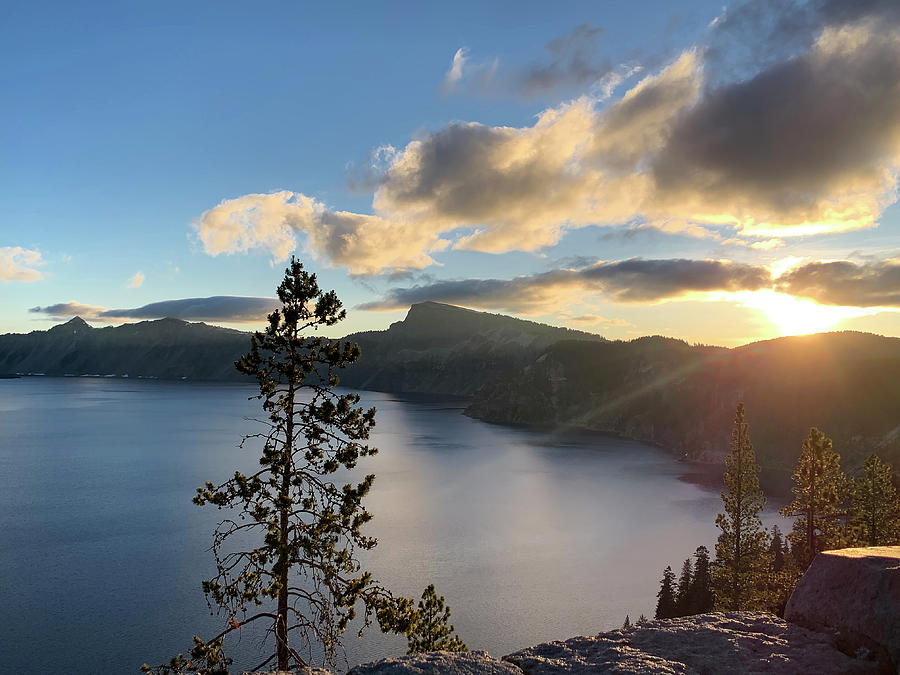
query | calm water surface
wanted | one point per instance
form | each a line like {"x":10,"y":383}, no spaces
{"x":530,"y":537}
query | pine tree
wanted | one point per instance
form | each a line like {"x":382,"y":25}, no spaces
{"x":665,"y":605}
{"x":431,"y":629}
{"x":290,"y":540}
{"x":627,"y":623}
{"x":641,"y":620}
{"x":682,"y":596}
{"x":819,"y":490}
{"x":776,"y":549}
{"x":741,"y":557}
{"x":700,"y":597}
{"x":875,"y":511}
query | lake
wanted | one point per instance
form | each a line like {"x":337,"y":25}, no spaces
{"x":529,"y":536}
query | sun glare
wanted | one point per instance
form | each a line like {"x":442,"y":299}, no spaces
{"x":796,"y":316}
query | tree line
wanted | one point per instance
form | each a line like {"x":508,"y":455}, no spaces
{"x":755,"y":569}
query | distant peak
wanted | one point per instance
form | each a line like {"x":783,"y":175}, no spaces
{"x":76,"y":322}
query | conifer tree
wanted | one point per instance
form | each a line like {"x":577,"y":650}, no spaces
{"x":431,"y":629}
{"x":819,"y":490}
{"x":875,"y":510}
{"x":627,"y":623}
{"x":682,"y":596}
{"x":700,"y":597}
{"x":741,"y":556}
{"x":286,"y":552}
{"x":776,"y":549}
{"x":641,"y":620}
{"x":665,"y":605}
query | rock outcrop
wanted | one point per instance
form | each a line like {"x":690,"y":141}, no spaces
{"x":854,"y":595}
{"x":439,"y":663}
{"x":737,"y":642}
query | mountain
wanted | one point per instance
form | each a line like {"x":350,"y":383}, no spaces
{"x":442,"y":349}
{"x":660,"y":390}
{"x":166,"y":348}
{"x":683,"y":397}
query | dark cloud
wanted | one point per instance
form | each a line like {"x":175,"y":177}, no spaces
{"x":626,"y":281}
{"x":225,"y":308}
{"x":869,"y":284}
{"x":812,"y":140}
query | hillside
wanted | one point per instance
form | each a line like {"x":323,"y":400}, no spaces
{"x":682,"y":398}
{"x":442,"y":349}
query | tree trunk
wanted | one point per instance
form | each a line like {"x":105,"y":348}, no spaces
{"x":281,"y":623}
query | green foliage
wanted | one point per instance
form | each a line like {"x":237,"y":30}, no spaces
{"x":741,"y":555}
{"x":288,"y":546}
{"x":875,"y":509}
{"x":431,"y":629}
{"x":820,"y":489}
{"x":665,"y":604}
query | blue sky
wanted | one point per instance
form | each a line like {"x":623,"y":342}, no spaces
{"x":715,"y":174}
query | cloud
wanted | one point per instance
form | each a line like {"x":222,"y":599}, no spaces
{"x":573,"y":63}
{"x":457,"y":63}
{"x":627,"y":281}
{"x":224,"y":308}
{"x":136,"y":280}
{"x":363,"y":244}
{"x":808,"y":145}
{"x":66,"y":310}
{"x":869,"y":284}
{"x":18,"y":264}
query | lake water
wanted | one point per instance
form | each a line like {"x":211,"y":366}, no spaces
{"x":529,"y":536}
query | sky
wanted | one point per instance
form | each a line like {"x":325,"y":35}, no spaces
{"x":716,"y":173}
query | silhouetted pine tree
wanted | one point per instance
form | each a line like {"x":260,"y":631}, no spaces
{"x":665,"y":605}
{"x":776,"y":548}
{"x":682,"y":595}
{"x":700,"y":597}
{"x":741,"y":555}
{"x":627,"y":623}
{"x":875,"y":511}
{"x":820,"y":489}
{"x":641,"y":620}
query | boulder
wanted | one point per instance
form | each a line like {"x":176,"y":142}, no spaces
{"x":738,"y":642}
{"x":439,"y":663}
{"x":853,"y":594}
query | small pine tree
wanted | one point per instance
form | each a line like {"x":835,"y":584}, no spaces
{"x":700,"y":597}
{"x":682,"y":596}
{"x":776,"y":549}
{"x":819,"y":489}
{"x":665,"y":605}
{"x":431,"y":629}
{"x":875,"y":510}
{"x":627,"y":623}
{"x":741,"y":556}
{"x":641,"y":620}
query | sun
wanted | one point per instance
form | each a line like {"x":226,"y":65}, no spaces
{"x":797,"y":316}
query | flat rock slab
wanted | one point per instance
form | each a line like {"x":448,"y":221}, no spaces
{"x":735,"y":642}
{"x":854,"y":594}
{"x":439,"y":663}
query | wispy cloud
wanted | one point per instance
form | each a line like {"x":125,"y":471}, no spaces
{"x":223,"y":308}
{"x":626,"y":281}
{"x":136,"y":281}
{"x":18,"y":264}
